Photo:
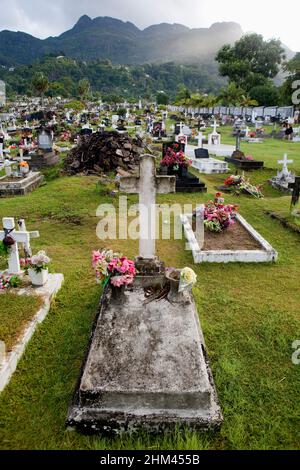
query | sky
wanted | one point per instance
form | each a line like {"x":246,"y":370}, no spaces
{"x":43,"y":18}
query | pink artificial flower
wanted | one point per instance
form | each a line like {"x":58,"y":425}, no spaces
{"x":97,"y":256}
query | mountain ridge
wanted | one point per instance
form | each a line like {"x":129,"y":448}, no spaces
{"x":121,"y":42}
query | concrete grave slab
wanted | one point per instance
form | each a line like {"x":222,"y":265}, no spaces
{"x":146,"y":368}
{"x":21,"y":186}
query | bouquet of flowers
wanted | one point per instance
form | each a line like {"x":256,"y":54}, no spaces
{"x":176,"y":159}
{"x":239,"y":184}
{"x":113,"y":268}
{"x":218,"y":216}
{"x":37,"y":263}
{"x":187,"y":279}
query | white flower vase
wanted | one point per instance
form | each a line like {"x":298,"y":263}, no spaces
{"x":38,"y":279}
{"x":24,"y":170}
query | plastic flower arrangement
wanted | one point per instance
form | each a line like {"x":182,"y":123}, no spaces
{"x":187,"y":279}
{"x":113,"y":268}
{"x":176,"y":159}
{"x":239,"y":184}
{"x":7,"y":281}
{"x":25,"y":264}
{"x":219,"y":216}
{"x":24,"y":165}
{"x":38,"y":262}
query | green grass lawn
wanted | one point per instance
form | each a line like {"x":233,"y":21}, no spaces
{"x":250,"y":316}
{"x":15,"y":313}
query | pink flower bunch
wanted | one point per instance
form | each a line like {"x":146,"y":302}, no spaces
{"x":173,"y":158}
{"x":249,"y":158}
{"x":25,"y":264}
{"x":218,"y":217}
{"x":113,"y":267}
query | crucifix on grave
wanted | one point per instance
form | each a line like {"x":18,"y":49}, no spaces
{"x":16,"y":234}
{"x":285,"y":162}
{"x":214,"y":138}
{"x":147,"y":185}
{"x":296,"y":191}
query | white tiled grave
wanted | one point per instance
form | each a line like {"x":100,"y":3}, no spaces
{"x":222,"y":150}
{"x":265,"y":254}
{"x":207,"y":166}
{"x":9,"y":361}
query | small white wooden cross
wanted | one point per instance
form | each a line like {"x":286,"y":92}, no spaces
{"x":285,"y":162}
{"x":147,"y":185}
{"x":20,"y":236}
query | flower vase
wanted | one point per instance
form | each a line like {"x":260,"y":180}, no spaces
{"x":182,"y":173}
{"x":118,"y":293}
{"x":40,"y":278}
{"x":24,"y":170}
{"x":174,"y":295}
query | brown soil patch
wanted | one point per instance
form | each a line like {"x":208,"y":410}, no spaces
{"x":234,"y":238}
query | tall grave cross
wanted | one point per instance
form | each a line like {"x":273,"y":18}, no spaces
{"x":147,"y":185}
{"x":19,"y":236}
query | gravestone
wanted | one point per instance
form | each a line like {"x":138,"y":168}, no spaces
{"x":146,"y":366}
{"x":147,"y":185}
{"x":44,"y":156}
{"x":284,"y":178}
{"x":238,"y":158}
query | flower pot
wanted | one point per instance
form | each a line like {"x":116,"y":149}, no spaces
{"x":174,"y":295}
{"x":164,"y":171}
{"x":182,"y":172}
{"x":24,"y":170}
{"x":118,"y":293}
{"x":38,"y":278}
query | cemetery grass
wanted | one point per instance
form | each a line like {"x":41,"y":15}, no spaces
{"x":249,"y":313}
{"x":15,"y":313}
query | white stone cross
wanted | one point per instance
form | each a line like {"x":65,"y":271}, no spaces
{"x":200,"y":140}
{"x":285,"y":162}
{"x":147,"y":185}
{"x":19,"y":236}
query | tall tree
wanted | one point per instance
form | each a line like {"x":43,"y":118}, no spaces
{"x":84,"y":87}
{"x":40,"y":84}
{"x":251,"y":61}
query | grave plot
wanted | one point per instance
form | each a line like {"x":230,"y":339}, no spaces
{"x":205,"y":164}
{"x":20,"y":185}
{"x":153,"y":373}
{"x":240,"y":243}
{"x":40,"y":286}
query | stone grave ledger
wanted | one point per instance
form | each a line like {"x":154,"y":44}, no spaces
{"x":146,"y":368}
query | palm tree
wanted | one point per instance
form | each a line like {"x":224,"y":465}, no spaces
{"x":84,"y":87}
{"x":232,"y":95}
{"x":40,"y":83}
